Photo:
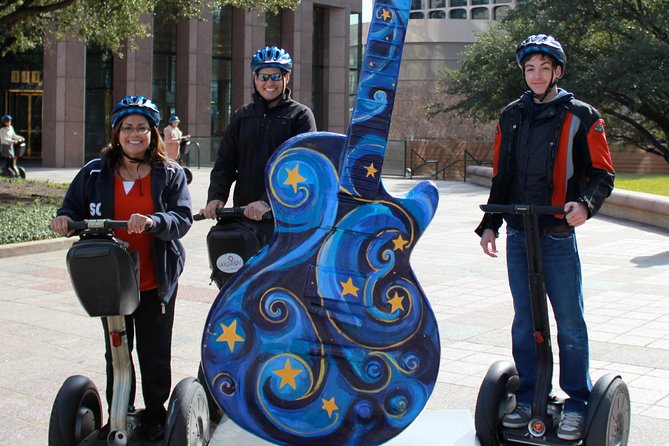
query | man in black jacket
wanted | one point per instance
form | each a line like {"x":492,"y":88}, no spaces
{"x":550,"y":149}
{"x":255,"y":131}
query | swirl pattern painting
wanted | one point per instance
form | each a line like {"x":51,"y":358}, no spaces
{"x":325,"y":337}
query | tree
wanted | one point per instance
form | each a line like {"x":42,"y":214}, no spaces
{"x":105,"y":23}
{"x":617,"y":60}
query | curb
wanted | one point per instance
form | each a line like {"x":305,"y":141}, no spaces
{"x":35,"y":247}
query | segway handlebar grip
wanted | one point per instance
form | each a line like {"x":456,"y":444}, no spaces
{"x":97,"y":224}
{"x":231,"y":213}
{"x":521,"y":209}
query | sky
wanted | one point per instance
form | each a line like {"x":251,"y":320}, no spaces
{"x":366,"y":11}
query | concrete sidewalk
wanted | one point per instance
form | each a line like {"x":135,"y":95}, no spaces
{"x":46,"y":336}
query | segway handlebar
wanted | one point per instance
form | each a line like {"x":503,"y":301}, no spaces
{"x":231,"y":213}
{"x":521,"y":209}
{"x":97,"y":224}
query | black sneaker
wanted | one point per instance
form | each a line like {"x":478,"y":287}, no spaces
{"x":155,"y":432}
{"x":519,"y":417}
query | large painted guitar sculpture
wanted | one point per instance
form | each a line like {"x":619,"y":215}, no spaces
{"x":325,"y":337}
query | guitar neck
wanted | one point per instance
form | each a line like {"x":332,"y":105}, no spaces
{"x":370,"y":121}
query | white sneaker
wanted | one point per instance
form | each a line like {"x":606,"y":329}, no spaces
{"x":571,"y":426}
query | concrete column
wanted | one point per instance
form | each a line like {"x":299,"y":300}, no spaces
{"x":336,"y":95}
{"x":63,"y":103}
{"x":298,"y":31}
{"x":194,"y":75}
{"x":248,"y":35}
{"x":133,"y":73}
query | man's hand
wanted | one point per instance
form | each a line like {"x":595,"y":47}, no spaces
{"x":59,"y":225}
{"x":255,"y":210}
{"x":210,"y":210}
{"x":578,"y":213}
{"x":488,"y":243}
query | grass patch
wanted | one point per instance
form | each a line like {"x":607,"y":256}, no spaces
{"x":26,"y":208}
{"x":650,"y":184}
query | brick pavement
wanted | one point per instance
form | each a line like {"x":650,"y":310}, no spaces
{"x":46,"y":336}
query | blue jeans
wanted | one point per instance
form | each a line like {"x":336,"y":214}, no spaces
{"x":562,"y":271}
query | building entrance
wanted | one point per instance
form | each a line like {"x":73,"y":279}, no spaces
{"x":25,"y":107}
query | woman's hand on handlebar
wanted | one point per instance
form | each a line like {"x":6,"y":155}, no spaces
{"x":577,"y":213}
{"x":139,"y":223}
{"x":488,"y":243}
{"x":256,"y":210}
{"x":59,"y":225}
{"x":210,"y":210}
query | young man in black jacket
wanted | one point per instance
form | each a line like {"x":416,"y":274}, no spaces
{"x":550,"y":149}
{"x":255,"y":131}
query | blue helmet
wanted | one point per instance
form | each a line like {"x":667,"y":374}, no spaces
{"x":135,"y":105}
{"x":6,"y":118}
{"x":541,"y":44}
{"x":271,"y":56}
{"x":173,"y":118}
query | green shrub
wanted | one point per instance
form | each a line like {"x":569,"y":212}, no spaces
{"x":27,"y":223}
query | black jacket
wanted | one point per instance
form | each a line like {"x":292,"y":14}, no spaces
{"x":91,"y":195}
{"x":559,"y":151}
{"x":255,"y":131}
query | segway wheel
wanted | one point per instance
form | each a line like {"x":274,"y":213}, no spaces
{"x":610,"y":417}
{"x":496,"y":395}
{"x":22,"y":172}
{"x":188,"y":415}
{"x":189,"y":175}
{"x":76,"y":412}
{"x":215,"y":412}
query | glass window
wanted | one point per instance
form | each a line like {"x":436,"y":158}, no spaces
{"x":437,"y":3}
{"x":480,"y":2}
{"x":99,"y":69}
{"x":501,"y":1}
{"x":437,"y":14}
{"x":416,"y":4}
{"x":480,"y":14}
{"x":354,"y":59}
{"x":273,"y":29}
{"x":221,"y":70}
{"x":417,"y":15}
{"x":454,"y":3}
{"x":458,"y":14}
{"x":164,"y":64}
{"x":500,"y":12}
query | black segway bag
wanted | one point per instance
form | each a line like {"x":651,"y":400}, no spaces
{"x":105,"y":276}
{"x":230,"y":245}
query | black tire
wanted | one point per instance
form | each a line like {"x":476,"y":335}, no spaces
{"x":497,"y":390}
{"x":608,"y":413}
{"x":22,"y":173}
{"x":188,"y":415}
{"x":76,"y":412}
{"x":189,"y":175}
{"x":215,"y":412}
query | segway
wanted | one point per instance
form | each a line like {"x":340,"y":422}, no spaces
{"x":10,"y":155}
{"x":607,"y":418}
{"x":105,"y":277}
{"x":231,"y":243}
{"x":184,"y":149}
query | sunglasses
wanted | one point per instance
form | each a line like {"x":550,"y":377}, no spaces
{"x":264,"y":77}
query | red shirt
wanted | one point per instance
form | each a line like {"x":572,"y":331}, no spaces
{"x":135,"y":202}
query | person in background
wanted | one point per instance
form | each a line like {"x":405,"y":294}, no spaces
{"x":550,"y":149}
{"x":8,"y":138}
{"x":134,"y":180}
{"x":255,"y":131}
{"x":173,"y":137}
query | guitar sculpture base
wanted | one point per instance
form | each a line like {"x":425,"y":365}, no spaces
{"x":430,"y":428}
